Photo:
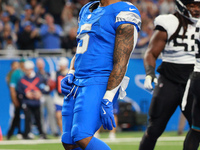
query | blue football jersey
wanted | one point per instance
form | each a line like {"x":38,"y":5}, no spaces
{"x":96,"y":37}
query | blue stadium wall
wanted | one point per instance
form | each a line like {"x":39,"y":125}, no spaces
{"x":135,"y":90}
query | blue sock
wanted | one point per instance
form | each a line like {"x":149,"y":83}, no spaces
{"x":78,"y":148}
{"x":96,"y":144}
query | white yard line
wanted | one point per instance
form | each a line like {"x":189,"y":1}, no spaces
{"x":107,"y":140}
{"x":15,"y":142}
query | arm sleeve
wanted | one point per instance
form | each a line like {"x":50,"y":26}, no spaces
{"x":13,"y":80}
{"x":169,"y":23}
{"x":160,"y":28}
{"x":129,"y":15}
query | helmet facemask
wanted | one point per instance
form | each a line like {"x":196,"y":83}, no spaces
{"x":182,"y":9}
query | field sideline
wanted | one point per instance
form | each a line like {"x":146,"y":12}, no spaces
{"x":124,"y":141}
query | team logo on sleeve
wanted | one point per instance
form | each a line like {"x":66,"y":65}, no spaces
{"x":131,"y":9}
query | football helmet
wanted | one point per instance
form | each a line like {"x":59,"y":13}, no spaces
{"x":182,"y":9}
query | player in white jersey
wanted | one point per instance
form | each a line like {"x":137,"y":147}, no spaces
{"x":193,"y":136}
{"x":174,"y":39}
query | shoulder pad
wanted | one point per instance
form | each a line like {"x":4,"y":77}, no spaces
{"x":168,"y":22}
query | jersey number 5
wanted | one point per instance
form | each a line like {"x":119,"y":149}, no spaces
{"x":84,"y":39}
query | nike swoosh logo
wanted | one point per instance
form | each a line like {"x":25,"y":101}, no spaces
{"x":107,"y":103}
{"x":104,"y":112}
{"x":131,"y":9}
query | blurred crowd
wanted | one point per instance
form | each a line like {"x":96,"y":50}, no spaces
{"x":36,"y":93}
{"x":39,"y":24}
{"x":52,"y":24}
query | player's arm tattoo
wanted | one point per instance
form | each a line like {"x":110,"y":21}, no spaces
{"x":123,"y":48}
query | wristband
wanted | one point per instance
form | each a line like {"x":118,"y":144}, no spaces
{"x":148,"y":76}
{"x":110,"y":94}
{"x":150,"y":70}
{"x":71,"y":71}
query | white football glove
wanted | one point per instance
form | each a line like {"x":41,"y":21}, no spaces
{"x":148,"y":82}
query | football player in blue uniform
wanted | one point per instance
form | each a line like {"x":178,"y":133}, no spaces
{"x":107,"y":34}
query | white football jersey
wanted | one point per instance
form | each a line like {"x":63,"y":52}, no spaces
{"x":197,"y":47}
{"x":178,"y":50}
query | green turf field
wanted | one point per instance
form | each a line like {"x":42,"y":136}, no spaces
{"x":124,"y":141}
